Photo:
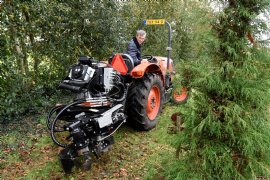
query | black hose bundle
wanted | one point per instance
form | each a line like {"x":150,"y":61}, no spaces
{"x":124,"y":94}
{"x":52,"y":130}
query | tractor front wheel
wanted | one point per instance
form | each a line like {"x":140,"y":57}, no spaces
{"x":180,"y":95}
{"x":145,"y":101}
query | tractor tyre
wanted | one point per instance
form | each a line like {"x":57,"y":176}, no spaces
{"x":145,"y":100}
{"x":180,"y":95}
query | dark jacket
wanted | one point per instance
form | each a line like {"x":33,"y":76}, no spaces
{"x":134,"y":50}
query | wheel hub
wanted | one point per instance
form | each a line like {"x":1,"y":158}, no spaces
{"x":153,"y":103}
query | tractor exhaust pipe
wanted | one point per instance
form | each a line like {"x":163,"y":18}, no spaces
{"x":169,"y":49}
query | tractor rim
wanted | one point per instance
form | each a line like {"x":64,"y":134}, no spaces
{"x":153,"y":103}
{"x":180,"y":94}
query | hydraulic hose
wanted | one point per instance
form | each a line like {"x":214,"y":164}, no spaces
{"x":55,"y":120}
{"x":53,"y":110}
{"x":112,"y":132}
{"x":124,"y":95}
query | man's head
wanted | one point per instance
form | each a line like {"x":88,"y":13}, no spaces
{"x":140,"y":36}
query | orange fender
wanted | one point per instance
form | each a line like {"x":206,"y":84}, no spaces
{"x":141,"y":69}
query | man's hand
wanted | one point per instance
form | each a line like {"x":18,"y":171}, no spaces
{"x":144,"y":61}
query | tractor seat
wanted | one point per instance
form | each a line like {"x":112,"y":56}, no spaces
{"x":128,"y":61}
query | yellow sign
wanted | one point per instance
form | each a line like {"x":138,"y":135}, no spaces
{"x":154,"y":21}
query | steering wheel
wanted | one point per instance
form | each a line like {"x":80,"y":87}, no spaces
{"x":148,"y":57}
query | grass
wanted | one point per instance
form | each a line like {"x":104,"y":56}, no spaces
{"x":29,"y":153}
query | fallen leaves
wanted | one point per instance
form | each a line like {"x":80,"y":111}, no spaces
{"x":123,"y":172}
{"x":35,"y":154}
{"x":7,"y":150}
{"x":24,"y":152}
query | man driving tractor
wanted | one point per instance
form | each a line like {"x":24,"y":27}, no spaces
{"x":134,"y":47}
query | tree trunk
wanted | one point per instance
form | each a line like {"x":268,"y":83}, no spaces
{"x":20,"y":55}
{"x":17,"y":47}
{"x":24,"y":58}
{"x":32,"y":39}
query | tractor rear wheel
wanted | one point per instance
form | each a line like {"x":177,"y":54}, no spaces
{"x":145,"y":98}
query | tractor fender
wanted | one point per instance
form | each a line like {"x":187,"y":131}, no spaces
{"x":141,"y":69}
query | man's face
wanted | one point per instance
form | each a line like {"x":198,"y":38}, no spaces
{"x":140,"y":39}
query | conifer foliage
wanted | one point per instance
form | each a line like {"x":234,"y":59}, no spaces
{"x":227,"y":133}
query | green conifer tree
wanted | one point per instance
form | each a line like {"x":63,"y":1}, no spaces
{"x":227,"y":131}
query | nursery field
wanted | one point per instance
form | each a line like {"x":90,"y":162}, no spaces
{"x":27,"y":152}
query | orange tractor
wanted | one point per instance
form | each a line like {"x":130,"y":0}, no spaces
{"x":107,"y":95}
